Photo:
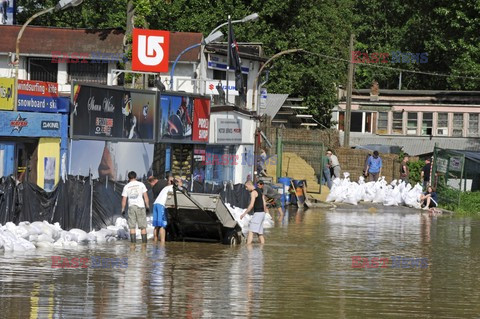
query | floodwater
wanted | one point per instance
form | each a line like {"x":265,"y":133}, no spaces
{"x":303,"y":271}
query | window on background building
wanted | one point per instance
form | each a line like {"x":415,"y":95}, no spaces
{"x":382,"y":124}
{"x":427,"y":124}
{"x":356,"y":122}
{"x":412,"y":123}
{"x":88,"y":72}
{"x":442,"y":124}
{"x":473,"y":125}
{"x":457,"y":124}
{"x":42,"y":69}
{"x":397,"y":125}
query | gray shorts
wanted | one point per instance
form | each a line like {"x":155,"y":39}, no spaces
{"x":137,"y":216}
{"x":256,"y":223}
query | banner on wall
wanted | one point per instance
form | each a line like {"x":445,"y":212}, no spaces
{"x":110,"y":159}
{"x":201,"y":119}
{"x":101,"y":112}
{"x":37,"y":96}
{"x":7,"y":98}
{"x":7,"y":12}
{"x":30,"y":124}
{"x":176,"y":119}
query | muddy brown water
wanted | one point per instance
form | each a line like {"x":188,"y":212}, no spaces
{"x":303,"y":271}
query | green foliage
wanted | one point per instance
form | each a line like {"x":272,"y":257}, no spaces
{"x":464,"y":203}
{"x":446,"y":30}
{"x":415,"y":169}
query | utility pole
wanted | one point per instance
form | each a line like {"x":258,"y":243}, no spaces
{"x":228,"y":55}
{"x":348,"y":110}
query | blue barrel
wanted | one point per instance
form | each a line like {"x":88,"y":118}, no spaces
{"x":285,"y":181}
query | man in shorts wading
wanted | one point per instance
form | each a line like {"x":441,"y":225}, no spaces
{"x":159,"y":211}
{"x":257,"y":209}
{"x":136,"y":193}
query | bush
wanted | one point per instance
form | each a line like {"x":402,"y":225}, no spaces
{"x":415,"y":169}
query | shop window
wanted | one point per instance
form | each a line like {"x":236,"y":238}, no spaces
{"x":382,"y":124}
{"x":442,"y":124}
{"x":412,"y":123}
{"x":397,"y":125}
{"x":457,"y":124}
{"x":473,"y":125}
{"x":220,"y":162}
{"x":42,"y":69}
{"x":341,"y":119}
{"x":356,"y":122}
{"x":181,"y":164}
{"x":88,"y":72}
{"x":427,"y":123}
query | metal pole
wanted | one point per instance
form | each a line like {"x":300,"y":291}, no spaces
{"x":17,"y":50}
{"x":177,"y":59}
{"x":91,"y":198}
{"x":228,"y":56}
{"x":348,"y":110}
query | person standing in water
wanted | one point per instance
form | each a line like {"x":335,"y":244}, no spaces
{"x":257,"y":209}
{"x":136,"y":194}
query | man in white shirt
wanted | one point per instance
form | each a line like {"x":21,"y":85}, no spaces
{"x":159,"y":213}
{"x":136,"y":193}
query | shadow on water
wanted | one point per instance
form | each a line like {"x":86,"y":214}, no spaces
{"x":304,"y":271}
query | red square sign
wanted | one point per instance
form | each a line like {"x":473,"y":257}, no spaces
{"x":150,"y":50}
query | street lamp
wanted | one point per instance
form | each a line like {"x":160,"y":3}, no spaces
{"x":213,"y":36}
{"x":250,"y":17}
{"x":61,"y":5}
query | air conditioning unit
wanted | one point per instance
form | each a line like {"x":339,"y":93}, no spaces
{"x":442,"y":131}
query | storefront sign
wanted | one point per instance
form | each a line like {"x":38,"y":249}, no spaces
{"x":263,"y":98}
{"x":37,"y":96}
{"x":219,"y":62}
{"x":7,"y":98}
{"x":455,"y":164}
{"x":150,"y":50}
{"x":212,"y":87}
{"x":442,"y":164}
{"x":229,"y":131}
{"x":201,"y":120}
{"x":113,"y":113}
{"x":31,"y":124}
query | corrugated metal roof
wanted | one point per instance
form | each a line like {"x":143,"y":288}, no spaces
{"x":273,"y":104}
{"x":43,"y":40}
{"x":414,"y":145}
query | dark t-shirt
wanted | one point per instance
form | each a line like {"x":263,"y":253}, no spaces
{"x":426,"y":172}
{"x":269,"y":192}
{"x":258,"y":204}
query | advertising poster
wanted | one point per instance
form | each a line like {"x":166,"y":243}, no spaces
{"x":7,"y":98}
{"x":49,"y":175}
{"x":199,"y":163}
{"x":112,"y":159}
{"x":105,"y":113}
{"x":201,"y":119}
{"x":7,"y":12}
{"x":37,"y":96}
{"x":176,"y":120}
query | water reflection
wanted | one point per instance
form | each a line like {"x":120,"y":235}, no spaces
{"x":304,"y":270}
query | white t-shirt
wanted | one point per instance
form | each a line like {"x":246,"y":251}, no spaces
{"x":134,"y":192}
{"x":162,"y":197}
{"x":334,"y":160}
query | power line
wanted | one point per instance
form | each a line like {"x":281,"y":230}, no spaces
{"x":395,"y":69}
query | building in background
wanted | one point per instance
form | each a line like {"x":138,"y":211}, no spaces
{"x":413,"y":120}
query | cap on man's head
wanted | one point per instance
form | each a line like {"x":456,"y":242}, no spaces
{"x":260,"y":182}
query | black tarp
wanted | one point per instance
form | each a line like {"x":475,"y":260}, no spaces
{"x":8,"y":197}
{"x":107,"y":203}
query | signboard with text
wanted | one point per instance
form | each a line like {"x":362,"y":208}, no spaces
{"x":228,"y":131}
{"x":201,"y":118}
{"x":7,"y":98}
{"x":28,"y":124}
{"x":37,"y":96}
{"x":101,"y":112}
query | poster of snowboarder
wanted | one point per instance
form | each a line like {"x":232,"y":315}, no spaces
{"x":177,"y":117}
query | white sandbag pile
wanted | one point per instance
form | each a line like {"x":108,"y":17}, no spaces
{"x":394,"y":194}
{"x":237,"y":212}
{"x":29,"y":236}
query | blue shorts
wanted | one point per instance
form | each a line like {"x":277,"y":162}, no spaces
{"x":159,"y":216}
